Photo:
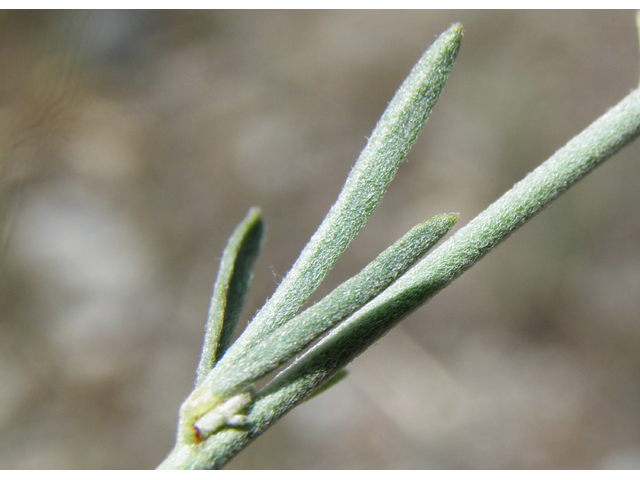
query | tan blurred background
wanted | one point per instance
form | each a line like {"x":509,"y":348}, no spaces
{"x":132,"y":143}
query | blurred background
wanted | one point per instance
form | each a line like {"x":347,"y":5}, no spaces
{"x":133,"y":142}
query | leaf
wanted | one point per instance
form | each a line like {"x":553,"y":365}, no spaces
{"x":230,"y":290}
{"x":387,"y":148}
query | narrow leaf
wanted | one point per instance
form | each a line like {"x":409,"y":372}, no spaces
{"x":388,"y":146}
{"x":230,"y":290}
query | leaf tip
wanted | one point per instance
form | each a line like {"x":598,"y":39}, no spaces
{"x":452,"y":218}
{"x":254,"y":215}
{"x":454,"y":33}
{"x":447,"y":219}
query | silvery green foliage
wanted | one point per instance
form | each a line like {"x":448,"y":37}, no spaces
{"x":291,"y":338}
{"x":230,"y":290}
{"x":224,"y":412}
